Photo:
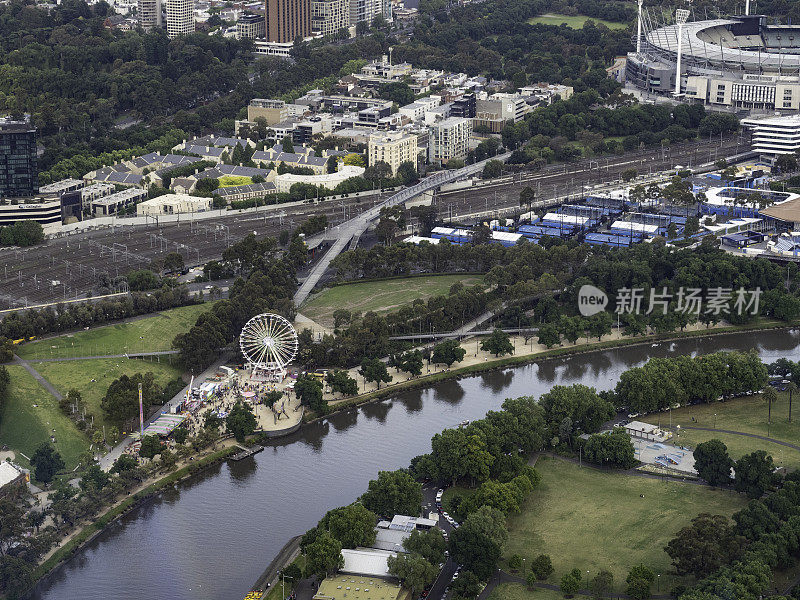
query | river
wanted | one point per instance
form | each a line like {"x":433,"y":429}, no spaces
{"x":210,"y":538}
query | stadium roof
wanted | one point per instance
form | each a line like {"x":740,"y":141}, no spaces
{"x":785,"y":211}
{"x":666,"y":39}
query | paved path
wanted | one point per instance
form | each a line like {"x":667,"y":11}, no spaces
{"x":750,"y":435}
{"x":45,"y":384}
{"x":97,"y":356}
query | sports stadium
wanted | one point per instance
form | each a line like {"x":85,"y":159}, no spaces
{"x":738,"y":63}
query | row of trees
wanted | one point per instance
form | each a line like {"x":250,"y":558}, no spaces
{"x":664,"y":382}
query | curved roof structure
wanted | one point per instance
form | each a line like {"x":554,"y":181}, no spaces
{"x":731,"y":50}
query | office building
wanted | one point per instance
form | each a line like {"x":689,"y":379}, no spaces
{"x":329,"y":17}
{"x":251,"y":27}
{"x":393,"y":148}
{"x":287,"y":20}
{"x":273,"y":111}
{"x":149,"y":14}
{"x":775,"y":135}
{"x":45,"y":212}
{"x":18,"y":172}
{"x":465,"y":107}
{"x":180,"y":17}
{"x":449,"y":139}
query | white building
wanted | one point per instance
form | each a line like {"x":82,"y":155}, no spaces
{"x":775,"y":135}
{"x":366,"y":10}
{"x":393,"y":148}
{"x":149,"y":14}
{"x":180,"y":17}
{"x":449,"y":139}
{"x":173,"y":204}
{"x":284,"y":183}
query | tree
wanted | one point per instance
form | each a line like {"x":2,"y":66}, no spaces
{"x":341,"y":317}
{"x":600,"y":324}
{"x":351,"y":525}
{"x":492,"y":169}
{"x":398,"y":92}
{"x":542,"y":567}
{"x":151,"y":446}
{"x":515,"y":562}
{"x":712,"y":462}
{"x":448,"y":352}
{"x":241,"y":421}
{"x":468,"y":585}
{"x":309,"y":390}
{"x":341,"y":382}
{"x":602,"y":584}
{"x":639,"y":581}
{"x":548,"y":335}
{"x":125,"y":462}
{"x":527,"y":196}
{"x":476,"y":544}
{"x":571,"y":583}
{"x":121,"y":402}
{"x":412,"y":362}
{"x":374,"y":369}
{"x":413,"y":571}
{"x":46,"y":462}
{"x":355,"y":160}
{"x":498,"y":343}
{"x":754,"y":474}
{"x":324,"y":555}
{"x":393,"y":493}
{"x":94,"y":479}
{"x":627,"y":175}
{"x":332,"y":164}
{"x":430,"y":545}
{"x":173,"y":262}
{"x":701,"y":548}
{"x":613,"y":449}
{"x":407,"y":173}
{"x":287,"y":145}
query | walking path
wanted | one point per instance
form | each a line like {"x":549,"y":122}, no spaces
{"x":98,"y":356}
{"x":750,"y":435}
{"x":44,"y":383}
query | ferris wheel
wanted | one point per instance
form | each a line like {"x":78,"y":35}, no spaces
{"x":268,"y":343}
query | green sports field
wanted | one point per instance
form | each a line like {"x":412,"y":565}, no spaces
{"x":379,"y":296}
{"x":149,"y":334}
{"x":519,"y":591}
{"x":594,"y":520}
{"x":573,"y":22}
{"x":78,"y":374}
{"x":746,"y":415}
{"x":29,"y":417}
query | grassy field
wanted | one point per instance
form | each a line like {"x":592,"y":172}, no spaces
{"x":78,"y":374}
{"x":747,"y":415}
{"x":29,"y":418}
{"x":148,"y":334}
{"x":234,"y":180}
{"x":575,"y":22}
{"x":379,"y":296}
{"x":593,"y":520}
{"x":518,"y":591}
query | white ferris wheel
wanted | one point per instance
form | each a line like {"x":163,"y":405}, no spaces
{"x":269,"y":343}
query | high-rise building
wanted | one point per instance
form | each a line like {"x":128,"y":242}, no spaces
{"x":287,"y":19}
{"x":328,"y":17}
{"x":393,"y":148}
{"x":149,"y":14}
{"x":250,"y":27}
{"x":180,"y":17}
{"x":450,"y":139}
{"x":18,"y":172}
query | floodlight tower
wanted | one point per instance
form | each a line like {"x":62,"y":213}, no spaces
{"x":639,"y":30}
{"x":747,"y":7}
{"x":681,"y":16}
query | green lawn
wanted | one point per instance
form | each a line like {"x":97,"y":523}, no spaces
{"x":573,"y":22}
{"x":148,"y":334}
{"x":748,"y":415}
{"x":78,"y":374}
{"x":519,"y":591}
{"x":234,"y":180}
{"x":594,"y":520}
{"x":29,"y":417}
{"x":379,"y":296}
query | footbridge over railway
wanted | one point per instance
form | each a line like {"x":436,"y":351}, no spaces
{"x":352,"y":229}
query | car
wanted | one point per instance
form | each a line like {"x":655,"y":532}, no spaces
{"x":447,"y":553}
{"x":446,"y":516}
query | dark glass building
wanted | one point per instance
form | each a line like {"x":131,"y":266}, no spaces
{"x":18,"y":173}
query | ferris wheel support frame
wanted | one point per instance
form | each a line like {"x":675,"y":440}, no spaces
{"x":268,"y":343}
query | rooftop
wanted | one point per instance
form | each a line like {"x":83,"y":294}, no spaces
{"x":366,"y":562}
{"x":349,"y":587}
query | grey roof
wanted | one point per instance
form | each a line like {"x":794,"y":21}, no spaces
{"x":222,"y":170}
{"x":390,"y":539}
{"x":221,"y":141}
{"x":206,"y":150}
{"x":252,"y":188}
{"x":177,"y":160}
{"x":124,"y":178}
{"x":146,"y":160}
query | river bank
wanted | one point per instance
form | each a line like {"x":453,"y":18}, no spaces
{"x":476,"y":367}
{"x":240,"y":515}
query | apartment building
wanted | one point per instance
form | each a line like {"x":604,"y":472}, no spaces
{"x":393,"y":148}
{"x":449,"y":139}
